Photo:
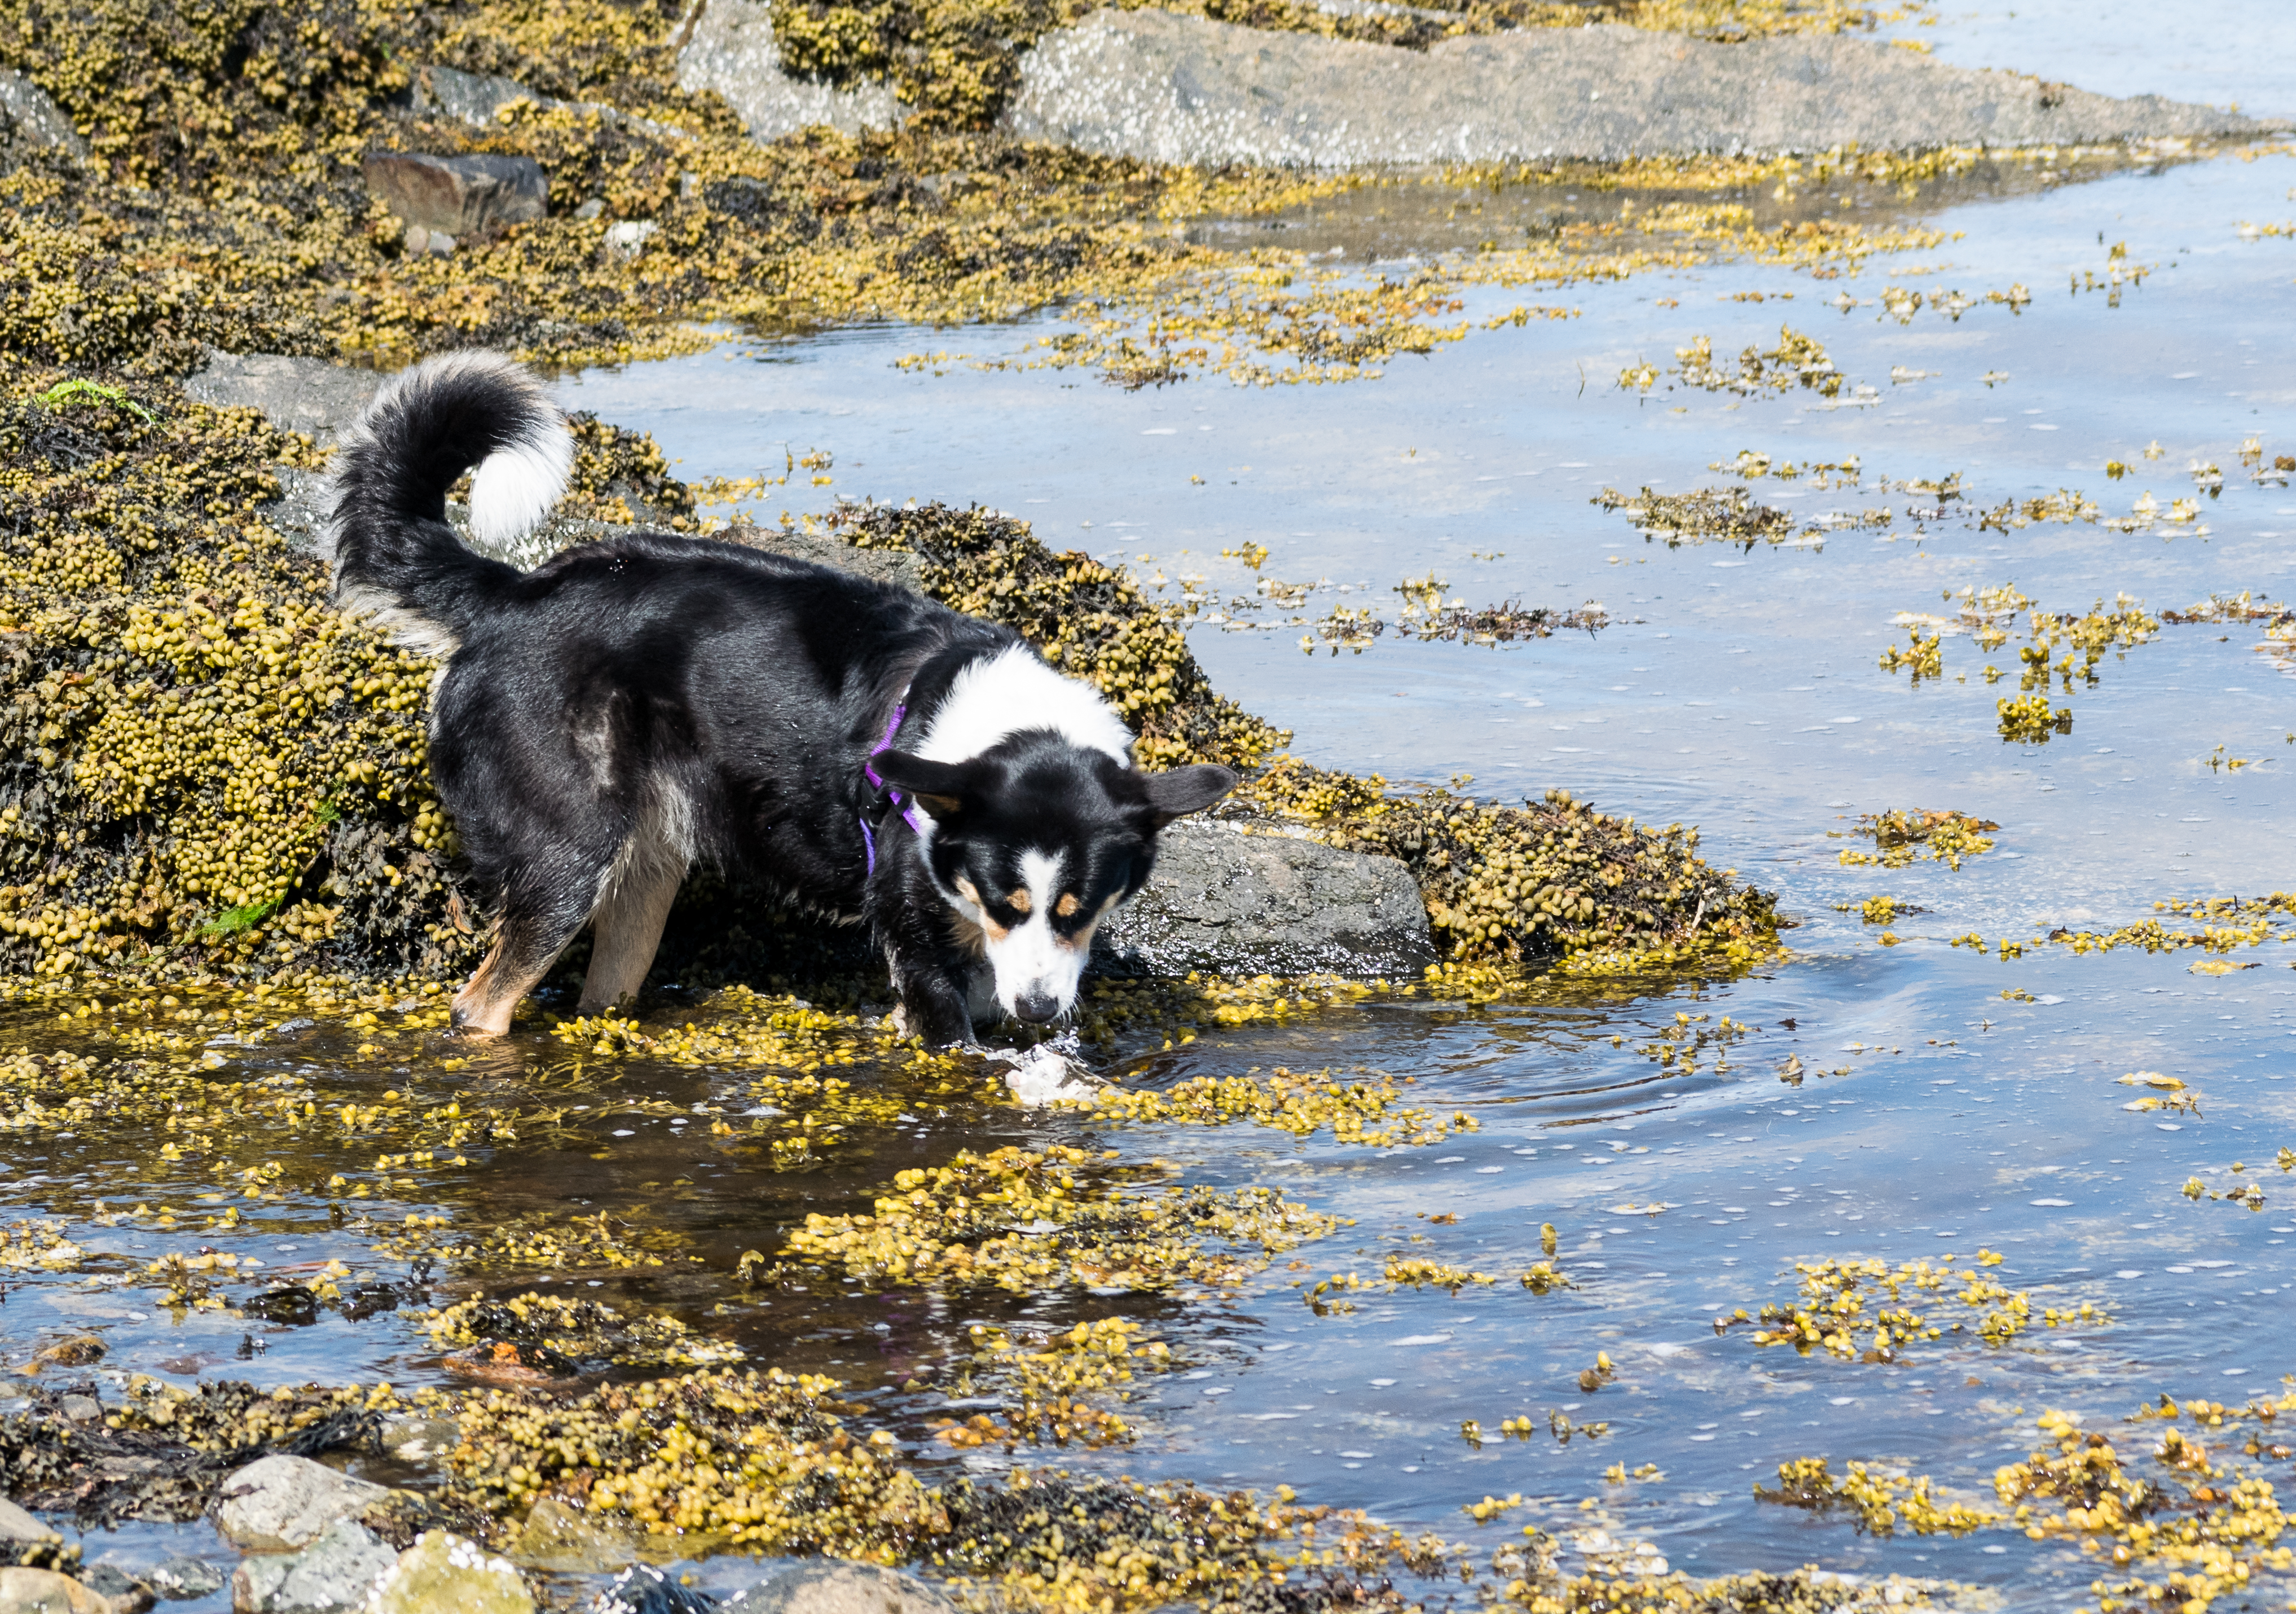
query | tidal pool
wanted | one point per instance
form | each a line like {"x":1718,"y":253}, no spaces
{"x":1881,"y":1094}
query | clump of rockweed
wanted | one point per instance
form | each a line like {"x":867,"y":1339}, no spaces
{"x":203,"y":766}
{"x":161,"y":1452}
{"x":1727,"y":515}
{"x":535,"y":1337}
{"x":1548,"y":878}
{"x":766,"y":1461}
{"x":1090,"y":620}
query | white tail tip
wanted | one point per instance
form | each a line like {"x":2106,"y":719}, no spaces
{"x":516,"y":486}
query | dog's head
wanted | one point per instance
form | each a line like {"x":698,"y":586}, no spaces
{"x":1033,"y":841}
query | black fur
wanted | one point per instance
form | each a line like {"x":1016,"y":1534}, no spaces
{"x":707,"y":703}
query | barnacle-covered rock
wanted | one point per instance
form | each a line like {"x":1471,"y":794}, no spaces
{"x":335,"y":1570}
{"x":444,"y":1570}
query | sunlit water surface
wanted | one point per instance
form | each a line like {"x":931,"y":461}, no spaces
{"x":1736,"y":691}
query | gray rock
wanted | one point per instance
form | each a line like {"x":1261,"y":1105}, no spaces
{"x":457,"y":195}
{"x":729,"y":47}
{"x":479,"y":99}
{"x":838,"y":1587}
{"x":17,"y":1524}
{"x":902,"y":568}
{"x":183,"y":1579}
{"x":1156,"y":84}
{"x":1247,"y":903}
{"x":278,"y":1503}
{"x":626,"y":239}
{"x":306,"y":395}
{"x":412,"y":1440}
{"x":29,"y":114}
{"x":474,"y":98}
{"x":339,"y":1570}
{"x":300,"y":513}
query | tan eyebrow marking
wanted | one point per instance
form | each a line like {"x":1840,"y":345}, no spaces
{"x":1067,"y":905}
{"x":964,"y":888}
{"x":1019,"y":901}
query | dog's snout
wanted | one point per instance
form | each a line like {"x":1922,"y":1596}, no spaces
{"x":1036,"y":1007}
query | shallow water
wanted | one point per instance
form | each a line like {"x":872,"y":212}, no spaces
{"x":1734,"y":690}
{"x":2223,"y":52}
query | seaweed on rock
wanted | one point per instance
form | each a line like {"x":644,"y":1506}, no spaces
{"x":1550,"y":879}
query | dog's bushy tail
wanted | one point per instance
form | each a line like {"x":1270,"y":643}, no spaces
{"x":394,"y":557}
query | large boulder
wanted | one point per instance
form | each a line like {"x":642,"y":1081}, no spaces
{"x":1250,"y":899}
{"x":730,"y":48}
{"x":1173,"y":88}
{"x":457,"y":195}
{"x":333,"y":1575}
{"x":279,"y":1503}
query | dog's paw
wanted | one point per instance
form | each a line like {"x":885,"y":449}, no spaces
{"x":899,"y":1021}
{"x":1044,"y":1075}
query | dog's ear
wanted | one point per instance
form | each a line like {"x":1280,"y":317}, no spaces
{"x":940,"y":788}
{"x":1187,"y":790}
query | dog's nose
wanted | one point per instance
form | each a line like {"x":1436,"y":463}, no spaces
{"x":1036,"y":1007}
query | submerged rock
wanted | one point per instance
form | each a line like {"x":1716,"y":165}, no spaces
{"x":278,"y":1503}
{"x":567,"y":1540}
{"x":730,"y":48}
{"x":336,"y":1572}
{"x":46,"y":1592}
{"x":29,"y":116}
{"x":443,"y":1571}
{"x":839,"y":1588}
{"x":183,"y":1579}
{"x":126,"y":1593}
{"x":1172,"y":88}
{"x":457,"y":195}
{"x":1226,"y":900}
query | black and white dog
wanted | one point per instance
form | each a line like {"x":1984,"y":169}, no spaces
{"x":630,"y":708}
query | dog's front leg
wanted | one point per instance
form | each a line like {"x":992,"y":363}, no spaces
{"x":931,"y":1008}
{"x":930,"y":972}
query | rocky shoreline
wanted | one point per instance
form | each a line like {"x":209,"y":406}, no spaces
{"x":1168,"y":88}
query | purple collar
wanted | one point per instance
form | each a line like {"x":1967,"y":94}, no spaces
{"x":869,"y":771}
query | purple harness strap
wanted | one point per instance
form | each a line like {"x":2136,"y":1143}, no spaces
{"x":869,"y":771}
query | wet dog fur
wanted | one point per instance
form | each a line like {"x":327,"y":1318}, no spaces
{"x":634,"y":707}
